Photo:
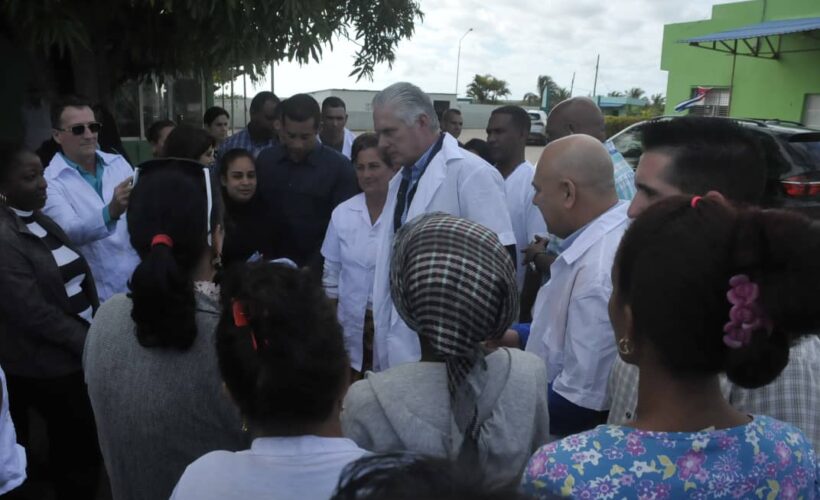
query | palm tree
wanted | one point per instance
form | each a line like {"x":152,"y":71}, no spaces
{"x":615,"y":93}
{"x":555,"y":94}
{"x":487,"y":89}
{"x":531,"y":99}
{"x":635,"y":92}
{"x":657,"y":102}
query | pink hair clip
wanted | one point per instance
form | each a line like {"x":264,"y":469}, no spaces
{"x":746,"y":315}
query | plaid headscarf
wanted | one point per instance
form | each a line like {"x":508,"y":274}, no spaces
{"x":454,"y":284}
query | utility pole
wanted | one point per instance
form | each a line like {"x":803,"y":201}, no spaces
{"x":595,"y":85}
{"x":572,"y":85}
{"x":458,"y":60}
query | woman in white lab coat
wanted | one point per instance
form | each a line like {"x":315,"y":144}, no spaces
{"x":349,"y":250}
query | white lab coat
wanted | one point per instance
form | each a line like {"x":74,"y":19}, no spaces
{"x":351,"y":241}
{"x":77,"y":208}
{"x":347,"y":145}
{"x":570,"y":329}
{"x":456,"y":182}
{"x":527,"y":221}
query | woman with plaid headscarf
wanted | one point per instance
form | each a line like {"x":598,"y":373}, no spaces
{"x":454,"y":284}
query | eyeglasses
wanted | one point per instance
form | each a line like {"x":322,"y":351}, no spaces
{"x":94,"y":127}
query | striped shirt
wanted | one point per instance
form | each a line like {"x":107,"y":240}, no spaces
{"x":71,"y":266}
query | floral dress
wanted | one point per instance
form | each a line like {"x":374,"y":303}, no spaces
{"x":764,"y":459}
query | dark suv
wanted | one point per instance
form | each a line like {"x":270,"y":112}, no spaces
{"x":794,"y":173}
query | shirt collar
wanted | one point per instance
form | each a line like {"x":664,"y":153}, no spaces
{"x":567,"y":242}
{"x":414,"y":173}
{"x":71,"y":163}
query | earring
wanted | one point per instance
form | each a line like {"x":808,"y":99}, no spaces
{"x":625,"y":347}
{"x":244,"y":425}
{"x":217,"y":262}
{"x":3,"y":199}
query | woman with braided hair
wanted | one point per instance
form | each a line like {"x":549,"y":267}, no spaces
{"x":454,"y":284}
{"x":699,"y":288}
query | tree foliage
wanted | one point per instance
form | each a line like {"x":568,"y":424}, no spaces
{"x":555,"y":95}
{"x":132,"y":39}
{"x":487,"y":89}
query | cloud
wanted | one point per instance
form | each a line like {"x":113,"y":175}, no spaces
{"x":515,"y":42}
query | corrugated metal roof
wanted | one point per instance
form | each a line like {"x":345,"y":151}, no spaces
{"x":768,"y":28}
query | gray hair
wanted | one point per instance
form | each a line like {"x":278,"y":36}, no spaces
{"x":408,"y":102}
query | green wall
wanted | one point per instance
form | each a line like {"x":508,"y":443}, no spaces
{"x":760,"y":88}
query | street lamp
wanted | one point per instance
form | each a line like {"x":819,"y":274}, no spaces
{"x":458,"y":61}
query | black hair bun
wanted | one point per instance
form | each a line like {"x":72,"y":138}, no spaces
{"x":760,"y":362}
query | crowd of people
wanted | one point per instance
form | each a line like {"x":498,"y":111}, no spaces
{"x":297,"y":311}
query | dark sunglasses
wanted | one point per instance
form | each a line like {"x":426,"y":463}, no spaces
{"x":94,"y":127}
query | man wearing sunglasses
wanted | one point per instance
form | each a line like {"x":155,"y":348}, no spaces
{"x":88,"y":193}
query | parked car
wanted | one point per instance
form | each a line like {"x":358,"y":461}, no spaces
{"x":538,"y":127}
{"x":793,"y":172}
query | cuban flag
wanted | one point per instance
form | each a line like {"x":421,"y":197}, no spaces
{"x":700,"y":96}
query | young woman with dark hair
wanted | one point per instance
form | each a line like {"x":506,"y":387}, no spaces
{"x":349,"y":250}
{"x":47,"y":298}
{"x":149,"y":359}
{"x":216,"y":121}
{"x":246,"y":227}
{"x":192,"y":143}
{"x":700,"y":288}
{"x":284,"y":364}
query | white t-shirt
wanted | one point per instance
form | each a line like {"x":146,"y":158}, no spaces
{"x":300,"y":468}
{"x":12,"y":455}
{"x":527,"y":221}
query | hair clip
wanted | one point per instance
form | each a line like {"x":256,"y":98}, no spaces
{"x":240,"y":320}
{"x":695,"y":201}
{"x":746,"y":314}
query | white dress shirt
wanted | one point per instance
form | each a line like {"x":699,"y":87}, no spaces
{"x":12,"y":455}
{"x":527,"y":221}
{"x":455,"y":182}
{"x":570,"y":329}
{"x":286,"y":468}
{"x":349,"y":250}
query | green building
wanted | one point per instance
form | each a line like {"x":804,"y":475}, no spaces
{"x":760,"y":58}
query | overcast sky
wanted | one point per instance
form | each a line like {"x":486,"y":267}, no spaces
{"x":515,"y":42}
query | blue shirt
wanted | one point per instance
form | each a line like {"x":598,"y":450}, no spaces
{"x":243,"y":140}
{"x":94,"y":180}
{"x":622,"y":172}
{"x":413,"y":174}
{"x":765,"y":458}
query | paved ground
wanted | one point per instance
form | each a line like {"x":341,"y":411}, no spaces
{"x":532,"y":153}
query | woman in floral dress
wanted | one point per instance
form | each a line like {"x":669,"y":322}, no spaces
{"x":699,"y":288}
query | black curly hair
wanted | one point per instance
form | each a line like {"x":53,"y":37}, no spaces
{"x":673,"y":268}
{"x":287,"y":368}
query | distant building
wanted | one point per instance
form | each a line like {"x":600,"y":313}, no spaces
{"x":360,"y":111}
{"x":621,"y":106}
{"x":759,"y":59}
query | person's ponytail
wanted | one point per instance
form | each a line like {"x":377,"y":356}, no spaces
{"x":167,"y":223}
{"x":163,"y":301}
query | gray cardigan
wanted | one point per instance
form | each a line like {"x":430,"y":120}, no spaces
{"x":408,"y":408}
{"x":157,"y":409}
{"x":39,"y":335}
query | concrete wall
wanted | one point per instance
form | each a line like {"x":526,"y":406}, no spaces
{"x":760,"y":88}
